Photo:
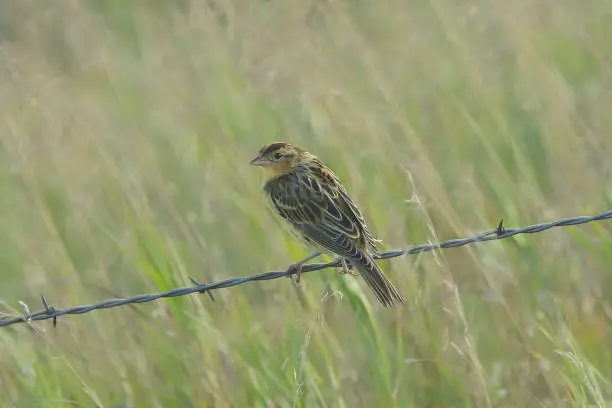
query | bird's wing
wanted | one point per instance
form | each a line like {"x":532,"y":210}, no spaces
{"x":319,"y":211}
{"x":371,"y":241}
{"x":331,"y":182}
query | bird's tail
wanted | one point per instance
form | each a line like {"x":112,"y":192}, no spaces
{"x":384,"y":290}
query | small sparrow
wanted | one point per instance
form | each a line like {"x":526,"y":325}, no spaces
{"x":310,"y":197}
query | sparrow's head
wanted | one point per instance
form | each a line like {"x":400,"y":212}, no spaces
{"x":280,"y":157}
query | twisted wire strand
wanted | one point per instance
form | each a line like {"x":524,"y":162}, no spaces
{"x":499,"y":233}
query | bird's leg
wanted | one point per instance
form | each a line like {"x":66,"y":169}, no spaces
{"x":297,"y":267}
{"x":346,"y":267}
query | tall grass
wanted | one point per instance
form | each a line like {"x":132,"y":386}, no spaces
{"x":126,"y":130}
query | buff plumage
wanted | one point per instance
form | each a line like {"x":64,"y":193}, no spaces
{"x":310,"y":197}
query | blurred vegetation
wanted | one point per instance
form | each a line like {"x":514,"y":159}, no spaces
{"x":125,"y":134}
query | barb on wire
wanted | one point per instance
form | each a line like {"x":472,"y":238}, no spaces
{"x":500,"y":232}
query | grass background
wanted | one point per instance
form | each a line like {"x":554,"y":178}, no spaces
{"x":126,"y":129}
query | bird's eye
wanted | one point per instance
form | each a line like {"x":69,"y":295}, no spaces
{"x":277,"y":156}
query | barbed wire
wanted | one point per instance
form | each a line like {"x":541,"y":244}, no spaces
{"x":498,"y":233}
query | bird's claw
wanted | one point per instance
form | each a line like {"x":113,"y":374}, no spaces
{"x":296,"y":268}
{"x":347,"y":267}
{"x":295,"y":273}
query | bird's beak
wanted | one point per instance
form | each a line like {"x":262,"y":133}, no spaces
{"x":259,"y":161}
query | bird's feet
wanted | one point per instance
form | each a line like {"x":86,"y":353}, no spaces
{"x":295,"y":272}
{"x":296,"y":268}
{"x":347,"y":267}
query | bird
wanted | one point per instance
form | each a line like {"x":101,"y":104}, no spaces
{"x":310,"y":197}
